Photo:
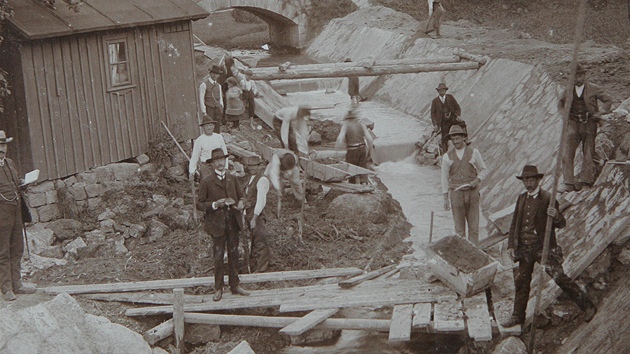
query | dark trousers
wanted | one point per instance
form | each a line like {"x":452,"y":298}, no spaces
{"x":229,"y":239}
{"x":216,"y":113}
{"x":527,"y":257}
{"x":577,"y":133}
{"x":261,"y":254}
{"x":11,"y":247}
{"x":465,"y":209}
{"x":250,"y":103}
{"x":357,"y":156}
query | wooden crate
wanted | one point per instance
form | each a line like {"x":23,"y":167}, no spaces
{"x":461,"y":265}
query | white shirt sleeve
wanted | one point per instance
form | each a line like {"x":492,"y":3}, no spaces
{"x":446,"y":166}
{"x":194,"y":158}
{"x":273,"y":172}
{"x":261,"y":199}
{"x":202,"y":96}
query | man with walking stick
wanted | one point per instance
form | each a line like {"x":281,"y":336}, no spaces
{"x":11,"y":226}
{"x":525,"y":245}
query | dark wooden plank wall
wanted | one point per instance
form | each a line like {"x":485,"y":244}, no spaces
{"x":76,"y":124}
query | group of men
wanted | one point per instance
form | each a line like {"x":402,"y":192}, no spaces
{"x":463,"y":169}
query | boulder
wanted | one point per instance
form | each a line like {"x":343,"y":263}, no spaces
{"x":88,"y":177}
{"x":124,"y":171}
{"x":143,"y":159}
{"x":39,"y":238}
{"x":61,"y":326}
{"x":510,"y":345}
{"x":49,"y":212}
{"x":137,"y":230}
{"x":201,"y":333}
{"x":176,"y":171}
{"x":73,"y":247}
{"x":95,"y":236}
{"x":36,"y":199}
{"x":107,"y":225}
{"x":119,"y":245}
{"x":77,"y":191}
{"x":156,"y":230}
{"x":371,"y":207}
{"x":107,"y":214}
{"x":177,"y":218}
{"x":66,"y":229}
{"x":94,"y":190}
{"x":51,"y":252}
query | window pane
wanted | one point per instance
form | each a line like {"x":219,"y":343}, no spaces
{"x":117,"y":52}
{"x":120,"y":74}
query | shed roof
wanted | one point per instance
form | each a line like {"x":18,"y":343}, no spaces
{"x":34,"y":20}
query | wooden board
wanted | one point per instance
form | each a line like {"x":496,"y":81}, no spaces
{"x":448,"y":317}
{"x":346,"y":284}
{"x":422,"y":315}
{"x":478,"y":318}
{"x":307,"y":322}
{"x":400,"y":329}
{"x":143,"y":298}
{"x":247,"y":157}
{"x":203,"y":281}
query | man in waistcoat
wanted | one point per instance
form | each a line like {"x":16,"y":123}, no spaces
{"x":584,"y":116}
{"x":256,"y":192}
{"x":525,"y":243}
{"x":355,"y":135}
{"x":220,"y":197}
{"x":11,"y":236}
{"x":445,"y":112}
{"x":211,"y":97}
{"x":463,"y":170}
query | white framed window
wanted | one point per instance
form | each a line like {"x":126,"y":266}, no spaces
{"x":118,"y":70}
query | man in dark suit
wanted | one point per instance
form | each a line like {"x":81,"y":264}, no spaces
{"x":221,"y":198}
{"x":525,"y":244}
{"x":445,"y":112}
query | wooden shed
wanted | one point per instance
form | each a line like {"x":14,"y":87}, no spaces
{"x":91,"y":87}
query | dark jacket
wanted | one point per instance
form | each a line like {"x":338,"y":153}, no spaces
{"x":540,"y":220}
{"x":211,"y":190}
{"x":451,"y":109}
{"x":591,"y":94}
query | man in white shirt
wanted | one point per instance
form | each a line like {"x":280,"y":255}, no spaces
{"x":284,"y":165}
{"x":291,"y":128}
{"x":463,"y":170}
{"x":203,"y":146}
{"x":211,"y":97}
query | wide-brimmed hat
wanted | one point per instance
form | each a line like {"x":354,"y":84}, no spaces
{"x":351,"y":114}
{"x":207,"y":120}
{"x":456,"y":130}
{"x":216,"y":69}
{"x":216,"y":154}
{"x":441,"y":86}
{"x":530,"y":171}
{"x":3,"y":138}
{"x":348,"y":60}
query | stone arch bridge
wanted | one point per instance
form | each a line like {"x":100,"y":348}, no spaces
{"x":286,"y":19}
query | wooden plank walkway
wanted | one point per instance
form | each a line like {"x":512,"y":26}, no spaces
{"x":400,"y":328}
{"x":307,"y":322}
{"x":478,"y":318}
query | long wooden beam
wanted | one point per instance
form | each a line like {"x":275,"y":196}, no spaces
{"x":324,"y":70}
{"x":281,"y":322}
{"x":203,"y":281}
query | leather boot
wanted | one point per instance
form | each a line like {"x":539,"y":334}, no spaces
{"x":217,"y":295}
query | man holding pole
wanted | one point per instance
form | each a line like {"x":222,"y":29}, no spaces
{"x":525,"y":245}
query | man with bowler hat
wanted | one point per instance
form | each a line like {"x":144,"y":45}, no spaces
{"x":584,"y":116}
{"x":203,"y":146}
{"x":525,"y":244}
{"x":463,"y":170}
{"x":445,"y":112}
{"x":11,"y":236}
{"x":211,"y":97}
{"x":221,"y":198}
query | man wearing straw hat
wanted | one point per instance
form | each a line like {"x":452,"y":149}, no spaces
{"x":221,"y":198}
{"x":11,"y":236}
{"x":463,"y":170}
{"x":525,"y":244}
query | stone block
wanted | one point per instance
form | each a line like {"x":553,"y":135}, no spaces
{"x":176,"y":218}
{"x":201,"y":333}
{"x":315,"y":336}
{"x":107,"y":225}
{"x":104,"y":173}
{"x":124,"y":171}
{"x":51,"y":252}
{"x":70,"y":181}
{"x":143,"y":159}
{"x":59,"y":184}
{"x":48,"y":213}
{"x":51,"y":197}
{"x":94,"y":190}
{"x":119,"y":245}
{"x":73,"y":247}
{"x":156,"y":230}
{"x":510,"y":345}
{"x":107,"y":214}
{"x":77,"y":190}
{"x":66,"y":229}
{"x":177,"y":170}
{"x":95,"y":236}
{"x":42,"y":187}
{"x":88,"y":177}
{"x":36,"y":199}
{"x":39,"y":238}
{"x":137,"y":230}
